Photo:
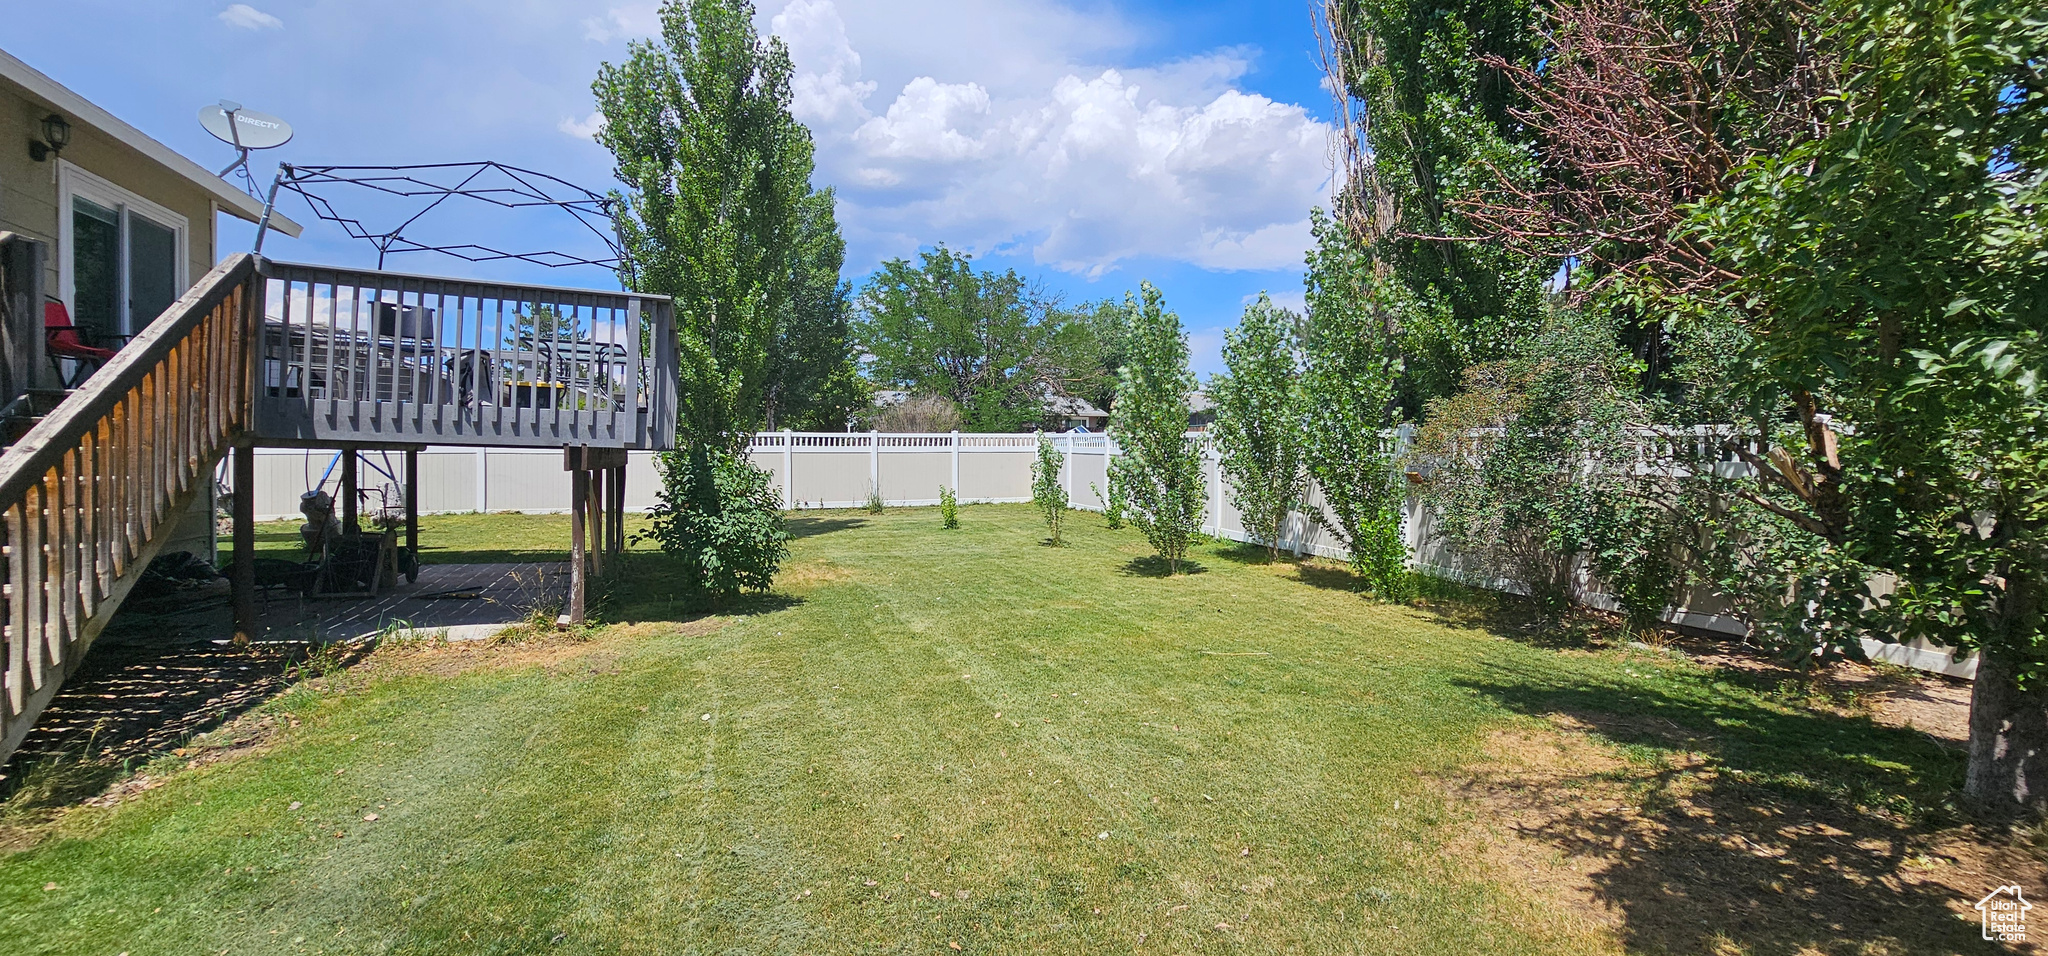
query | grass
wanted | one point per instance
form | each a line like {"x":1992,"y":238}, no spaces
{"x":501,"y":538}
{"x":927,"y":740}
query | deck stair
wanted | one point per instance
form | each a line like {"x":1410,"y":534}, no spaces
{"x":90,"y":491}
{"x":94,"y":481}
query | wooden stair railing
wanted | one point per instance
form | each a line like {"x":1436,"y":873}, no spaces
{"x":89,"y":494}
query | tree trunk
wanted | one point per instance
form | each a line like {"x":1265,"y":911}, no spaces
{"x":2008,"y":770}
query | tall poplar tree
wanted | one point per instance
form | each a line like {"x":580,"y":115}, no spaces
{"x":718,"y":174}
{"x":1258,"y":421}
{"x":717,"y":213}
{"x":1158,"y":469}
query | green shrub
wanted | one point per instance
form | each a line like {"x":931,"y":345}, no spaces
{"x":720,"y":515}
{"x":1534,"y":471}
{"x":949,"y":508}
{"x":1046,"y":491}
{"x":1112,"y":502}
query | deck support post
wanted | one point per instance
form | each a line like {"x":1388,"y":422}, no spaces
{"x":620,"y":494}
{"x":244,"y":582}
{"x":412,"y":512}
{"x":349,"y":523}
{"x":594,"y":510}
{"x":611,"y":510}
{"x":579,"y":495}
{"x":597,"y":495}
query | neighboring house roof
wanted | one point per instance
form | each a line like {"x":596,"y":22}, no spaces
{"x":232,"y":201}
{"x":885,"y":397}
{"x":1073,"y":407}
{"x":1200,"y":402}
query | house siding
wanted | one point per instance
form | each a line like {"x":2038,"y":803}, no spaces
{"x":28,"y":205}
{"x":28,"y":189}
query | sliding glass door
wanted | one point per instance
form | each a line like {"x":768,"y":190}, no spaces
{"x":122,"y":259}
{"x":96,"y":271}
{"x":152,"y":270}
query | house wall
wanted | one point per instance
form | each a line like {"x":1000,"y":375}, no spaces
{"x":28,"y":189}
{"x":29,"y":205}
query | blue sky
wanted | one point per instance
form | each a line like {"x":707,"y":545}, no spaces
{"x":1090,"y":144}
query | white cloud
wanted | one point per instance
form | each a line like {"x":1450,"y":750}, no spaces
{"x":926,"y":122}
{"x":829,"y":85}
{"x":631,"y":21}
{"x":1020,"y":145}
{"x":249,"y":18}
{"x":585,"y":128}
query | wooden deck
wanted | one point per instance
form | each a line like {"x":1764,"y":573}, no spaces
{"x":350,"y":356}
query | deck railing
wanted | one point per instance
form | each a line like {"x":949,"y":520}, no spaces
{"x":88,"y":495}
{"x":352,"y":356}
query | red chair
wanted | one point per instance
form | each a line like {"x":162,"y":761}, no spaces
{"x":61,"y":341}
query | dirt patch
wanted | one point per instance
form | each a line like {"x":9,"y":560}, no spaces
{"x":1936,"y":706}
{"x":798,"y":576}
{"x":557,"y":651}
{"x":1673,"y":854}
{"x":1933,"y":704}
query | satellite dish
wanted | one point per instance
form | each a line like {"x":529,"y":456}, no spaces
{"x":244,"y":129}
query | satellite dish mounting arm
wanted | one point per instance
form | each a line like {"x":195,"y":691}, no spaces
{"x":269,"y":203}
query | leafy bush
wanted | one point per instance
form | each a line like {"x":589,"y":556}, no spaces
{"x":721,"y":516}
{"x":1113,"y":503}
{"x":949,"y":508}
{"x":1159,"y":471}
{"x":1046,"y":491}
{"x":1534,"y":472}
{"x":1258,"y":422}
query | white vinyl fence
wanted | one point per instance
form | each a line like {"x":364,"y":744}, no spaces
{"x":842,"y":469}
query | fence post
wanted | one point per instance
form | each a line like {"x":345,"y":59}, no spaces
{"x":1067,"y":469}
{"x":483,"y":480}
{"x":1411,"y":507}
{"x":875,"y":462}
{"x":956,"y":462}
{"x":788,"y":463}
{"x":1215,"y":489}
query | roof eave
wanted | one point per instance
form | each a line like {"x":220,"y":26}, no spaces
{"x":232,"y":201}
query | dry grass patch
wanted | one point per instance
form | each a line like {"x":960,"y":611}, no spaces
{"x":1671,"y":852}
{"x":798,"y":577}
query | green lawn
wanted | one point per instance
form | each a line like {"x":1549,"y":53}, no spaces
{"x":503,"y":538}
{"x":932,"y":738}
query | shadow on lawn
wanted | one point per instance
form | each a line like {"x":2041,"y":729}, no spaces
{"x":1238,"y":552}
{"x":805,"y":527}
{"x":1327,"y":577}
{"x":644,"y":587}
{"x":1154,"y":566}
{"x":137,"y":697}
{"x":1800,"y":831}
